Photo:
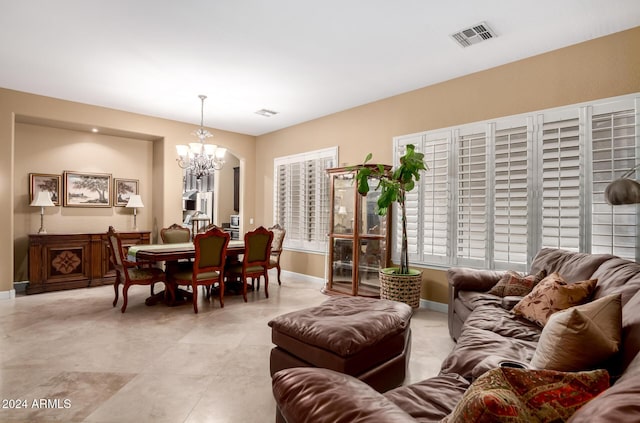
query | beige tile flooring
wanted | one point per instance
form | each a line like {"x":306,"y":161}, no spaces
{"x":159,"y":363}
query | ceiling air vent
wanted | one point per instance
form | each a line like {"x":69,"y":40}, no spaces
{"x":474,"y":35}
{"x":266,"y":112}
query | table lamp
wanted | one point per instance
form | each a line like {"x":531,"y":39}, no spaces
{"x":134,"y":202}
{"x":42,"y":200}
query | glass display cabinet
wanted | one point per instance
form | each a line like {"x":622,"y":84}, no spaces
{"x":358,"y":237}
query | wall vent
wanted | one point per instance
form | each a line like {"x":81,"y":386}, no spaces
{"x":474,"y":35}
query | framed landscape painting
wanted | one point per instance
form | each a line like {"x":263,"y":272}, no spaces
{"x":82,"y":189}
{"x":44,"y":182}
{"x":123,"y":189}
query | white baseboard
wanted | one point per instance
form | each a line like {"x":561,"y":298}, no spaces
{"x":435,"y":306}
{"x":303,"y":276}
{"x":8,"y":295}
{"x":426,"y":304}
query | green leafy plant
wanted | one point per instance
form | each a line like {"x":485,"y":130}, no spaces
{"x":393,"y":185}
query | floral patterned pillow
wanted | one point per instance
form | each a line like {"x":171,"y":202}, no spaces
{"x":524,"y":395}
{"x":512,"y":283}
{"x":553,"y":294}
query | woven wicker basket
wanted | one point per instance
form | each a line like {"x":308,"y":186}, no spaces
{"x":403,"y":288}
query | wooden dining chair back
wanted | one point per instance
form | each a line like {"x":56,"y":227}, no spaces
{"x":255,"y":261}
{"x":208,"y":265}
{"x":127,"y":272}
{"x":208,"y":228}
{"x":175,"y":234}
{"x":276,"y":249}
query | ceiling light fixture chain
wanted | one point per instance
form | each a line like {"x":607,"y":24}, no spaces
{"x":199,"y":158}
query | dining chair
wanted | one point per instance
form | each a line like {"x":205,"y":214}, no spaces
{"x":255,"y":261}
{"x":128,"y":272}
{"x":208,"y":265}
{"x":175,"y":234}
{"x":276,"y":249}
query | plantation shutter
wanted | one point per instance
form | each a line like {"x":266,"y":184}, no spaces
{"x":614,"y":151}
{"x":301,"y":199}
{"x":471,"y":231}
{"x":435,"y":191}
{"x":318,"y":204}
{"x":498,"y":191}
{"x":561,"y":183}
{"x":281,"y":212}
{"x":511,"y":193}
{"x":296,"y":193}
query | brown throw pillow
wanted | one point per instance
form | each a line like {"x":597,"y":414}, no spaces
{"x":523,"y":396}
{"x":512,"y":283}
{"x":553,"y":294}
{"x":580,"y":337}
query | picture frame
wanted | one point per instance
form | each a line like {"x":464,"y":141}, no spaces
{"x":122,"y":190}
{"x":45,"y":182}
{"x":85,"y":189}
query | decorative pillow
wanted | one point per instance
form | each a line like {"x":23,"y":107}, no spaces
{"x":512,"y":283}
{"x":553,"y":294}
{"x":523,"y":395}
{"x":580,"y":337}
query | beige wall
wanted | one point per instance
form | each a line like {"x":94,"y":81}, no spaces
{"x":42,"y":149}
{"x":601,"y":68}
{"x":45,"y":135}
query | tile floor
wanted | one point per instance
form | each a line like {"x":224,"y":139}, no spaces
{"x":91,"y":363}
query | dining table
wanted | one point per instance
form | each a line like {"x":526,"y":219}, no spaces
{"x":173,"y":255}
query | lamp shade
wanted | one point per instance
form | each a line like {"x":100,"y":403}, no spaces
{"x":135,"y":201}
{"x":43,"y":200}
{"x":622,"y":191}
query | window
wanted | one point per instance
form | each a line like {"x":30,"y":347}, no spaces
{"x":498,"y":191}
{"x":301,"y":198}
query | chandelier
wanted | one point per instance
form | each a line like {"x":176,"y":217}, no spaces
{"x":199,"y":158}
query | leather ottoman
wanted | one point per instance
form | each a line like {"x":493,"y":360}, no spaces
{"x":363,"y":337}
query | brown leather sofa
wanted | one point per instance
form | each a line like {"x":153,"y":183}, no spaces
{"x":487,"y":332}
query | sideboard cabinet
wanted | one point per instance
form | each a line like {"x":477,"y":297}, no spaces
{"x":66,"y":261}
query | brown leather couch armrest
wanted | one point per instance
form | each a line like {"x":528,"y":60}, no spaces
{"x":466,"y":279}
{"x":315,"y":395}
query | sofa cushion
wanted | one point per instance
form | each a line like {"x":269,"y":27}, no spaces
{"x":580,"y":337}
{"x":553,"y":294}
{"x":519,"y":395}
{"x":513,"y":283}
{"x":309,"y":394}
{"x":572,"y":266}
{"x":617,"y":276}
{"x":432,"y":399}
{"x":475,"y":345}
{"x":473,"y":299}
{"x":504,"y":323}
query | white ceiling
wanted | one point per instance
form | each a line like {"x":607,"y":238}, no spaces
{"x":304,"y":59}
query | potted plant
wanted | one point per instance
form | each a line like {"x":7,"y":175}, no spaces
{"x":396,"y":283}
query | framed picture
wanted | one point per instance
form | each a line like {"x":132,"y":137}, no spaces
{"x":123,"y":188}
{"x":44,"y":182}
{"x":82,"y":189}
